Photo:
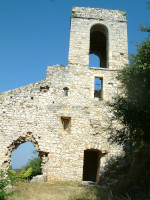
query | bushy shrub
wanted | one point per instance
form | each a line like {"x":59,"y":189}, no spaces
{"x":19,"y":176}
{"x":35,"y":164}
{"x":4,"y":182}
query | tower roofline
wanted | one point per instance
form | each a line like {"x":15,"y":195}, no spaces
{"x":98,"y":13}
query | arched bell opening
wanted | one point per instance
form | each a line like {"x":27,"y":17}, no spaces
{"x":98,"y":46}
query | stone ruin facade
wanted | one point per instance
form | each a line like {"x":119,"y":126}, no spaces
{"x":66,"y":116}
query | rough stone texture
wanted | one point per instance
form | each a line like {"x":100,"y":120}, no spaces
{"x":38,"y":179}
{"x":35,"y":112}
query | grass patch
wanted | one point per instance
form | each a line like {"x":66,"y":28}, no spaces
{"x":59,"y":191}
{"x":37,"y":191}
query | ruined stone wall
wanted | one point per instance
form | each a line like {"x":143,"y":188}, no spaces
{"x":35,"y":112}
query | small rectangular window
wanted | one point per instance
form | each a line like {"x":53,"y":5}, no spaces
{"x":66,"y":123}
{"x":98,"y":86}
{"x":66,"y":91}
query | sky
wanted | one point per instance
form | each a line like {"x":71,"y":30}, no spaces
{"x":22,"y":155}
{"x":35,"y":34}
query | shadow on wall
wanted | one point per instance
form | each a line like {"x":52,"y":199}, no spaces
{"x":128,"y":175}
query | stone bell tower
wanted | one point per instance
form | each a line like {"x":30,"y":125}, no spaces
{"x":100,"y":32}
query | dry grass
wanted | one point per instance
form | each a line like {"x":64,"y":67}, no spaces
{"x":52,"y":191}
{"x":60,"y":191}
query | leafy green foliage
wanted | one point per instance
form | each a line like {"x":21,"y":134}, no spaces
{"x":132,"y":109}
{"x":19,"y":175}
{"x":146,"y":28}
{"x":23,"y":174}
{"x":27,"y":173}
{"x":4,"y":182}
{"x":35,"y":164}
{"x":33,"y":168}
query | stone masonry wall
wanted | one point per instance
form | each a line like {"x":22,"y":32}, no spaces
{"x":35,"y":112}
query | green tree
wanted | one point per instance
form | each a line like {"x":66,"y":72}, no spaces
{"x":146,"y":28}
{"x":35,"y":164}
{"x":132,"y":107}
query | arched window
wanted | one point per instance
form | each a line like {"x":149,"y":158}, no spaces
{"x":98,"y":45}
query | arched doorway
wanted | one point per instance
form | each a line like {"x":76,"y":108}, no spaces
{"x":91,"y":165}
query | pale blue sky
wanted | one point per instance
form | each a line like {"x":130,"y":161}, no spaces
{"x":22,"y":155}
{"x":35,"y":34}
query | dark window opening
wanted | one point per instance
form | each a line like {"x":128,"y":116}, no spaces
{"x":66,"y":123}
{"x":98,"y":46}
{"x":91,"y":165}
{"x":44,"y":88}
{"x":66,"y":91}
{"x":98,"y":86}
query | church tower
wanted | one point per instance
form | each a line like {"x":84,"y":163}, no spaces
{"x":100,"y":32}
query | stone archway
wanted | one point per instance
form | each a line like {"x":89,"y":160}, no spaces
{"x":22,"y":139}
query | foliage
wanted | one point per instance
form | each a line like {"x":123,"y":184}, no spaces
{"x":132,"y":108}
{"x":35,"y":164}
{"x":33,"y":168}
{"x":146,"y":28}
{"x":23,"y":174}
{"x":4,"y":182}
{"x":129,"y":175}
